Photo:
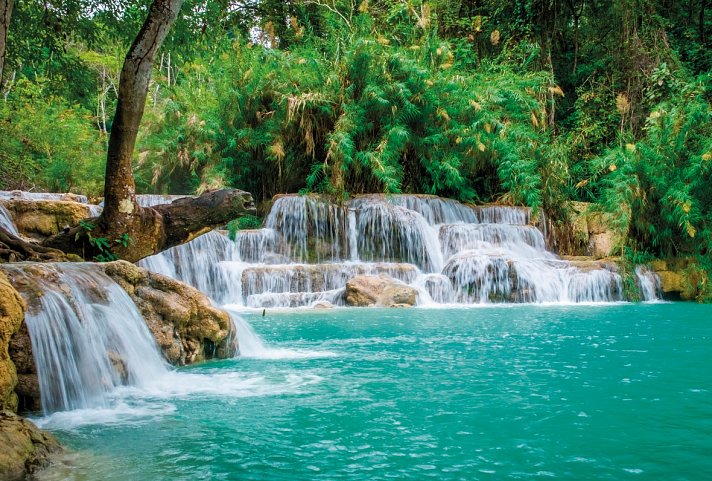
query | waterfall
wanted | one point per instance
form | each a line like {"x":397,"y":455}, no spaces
{"x":204,"y":263}
{"x":6,"y":221}
{"x":449,"y":251}
{"x":149,"y":200}
{"x":87,"y":335}
{"x":648,"y":283}
{"x":389,"y":232}
{"x":309,"y":227}
{"x":22,"y":195}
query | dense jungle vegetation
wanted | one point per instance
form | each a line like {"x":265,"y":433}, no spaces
{"x":536,"y":102}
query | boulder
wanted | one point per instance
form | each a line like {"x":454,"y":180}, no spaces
{"x":588,"y":264}
{"x":323,"y":305}
{"x":185,"y":324}
{"x":381,"y":290}
{"x":25,"y":448}
{"x":39,"y":219}
{"x":12,"y":313}
{"x":592,"y":231}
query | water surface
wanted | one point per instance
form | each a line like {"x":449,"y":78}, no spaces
{"x":519,"y":392}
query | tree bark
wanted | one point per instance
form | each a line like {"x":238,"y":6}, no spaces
{"x":119,"y":186}
{"x":5,"y":16}
{"x":158,"y":228}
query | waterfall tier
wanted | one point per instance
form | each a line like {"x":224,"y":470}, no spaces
{"x":6,"y":221}
{"x":449,"y":251}
{"x":87,"y":335}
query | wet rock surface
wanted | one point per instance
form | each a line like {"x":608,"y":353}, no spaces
{"x":25,"y":449}
{"x":12,"y":309}
{"x":381,"y":291}
{"x":186,"y":326}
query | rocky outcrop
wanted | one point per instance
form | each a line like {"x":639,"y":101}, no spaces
{"x":592,"y":232}
{"x":381,"y":290}
{"x":12,"y":313}
{"x":25,"y":448}
{"x":678,"y":277}
{"x":39,"y":219}
{"x":181,"y":318}
{"x":588,"y":264}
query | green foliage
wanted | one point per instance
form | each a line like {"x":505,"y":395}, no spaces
{"x":48,"y":143}
{"x":243,"y":223}
{"x":103,"y":244}
{"x":524,"y":102}
{"x":659,"y":189}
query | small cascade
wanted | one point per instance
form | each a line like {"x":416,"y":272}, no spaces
{"x":6,"y":221}
{"x":202,"y":264}
{"x":389,"y":232}
{"x":434,"y":209}
{"x":309,"y":229}
{"x":455,"y":238}
{"x":22,"y":195}
{"x":450,"y":252}
{"x":648,"y":283}
{"x":303,"y":284}
{"x":254,"y":246}
{"x":87,"y":335}
{"x":502,"y":214}
{"x":149,"y":200}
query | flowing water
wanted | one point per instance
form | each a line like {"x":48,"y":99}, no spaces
{"x":616,"y":391}
{"x":88,"y":337}
{"x":448,"y":251}
{"x":6,"y":221}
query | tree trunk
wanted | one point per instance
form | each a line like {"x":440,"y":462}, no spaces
{"x":125,"y":229}
{"x":158,"y":228}
{"x":5,"y":16}
{"x":119,"y":186}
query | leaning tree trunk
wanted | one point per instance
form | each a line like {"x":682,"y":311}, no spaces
{"x":5,"y":16}
{"x":119,"y":186}
{"x":150,"y":230}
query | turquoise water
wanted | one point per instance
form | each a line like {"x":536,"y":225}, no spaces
{"x":524,"y":392}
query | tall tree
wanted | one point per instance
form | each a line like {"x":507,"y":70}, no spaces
{"x":5,"y":16}
{"x":151,"y":230}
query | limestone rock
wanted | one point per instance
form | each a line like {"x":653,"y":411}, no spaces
{"x":323,"y":305}
{"x":592,"y":231}
{"x":381,"y":290}
{"x":588,"y":264}
{"x":28,"y":388}
{"x":601,"y":245}
{"x":185,"y":324}
{"x":12,"y":312}
{"x":25,"y":448}
{"x":39,"y":219}
{"x":671,"y":281}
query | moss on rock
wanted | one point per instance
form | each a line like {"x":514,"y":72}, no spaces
{"x":12,"y":312}
{"x":25,"y":447}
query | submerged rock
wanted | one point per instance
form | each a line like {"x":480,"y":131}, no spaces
{"x":25,"y":448}
{"x":379,"y":290}
{"x":181,"y":318}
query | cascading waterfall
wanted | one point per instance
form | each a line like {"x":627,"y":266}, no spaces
{"x":450,"y":252}
{"x":649,"y":283}
{"x":87,"y":335}
{"x":149,"y":200}
{"x":94,"y":210}
{"x":6,"y":221}
{"x":52,"y":196}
